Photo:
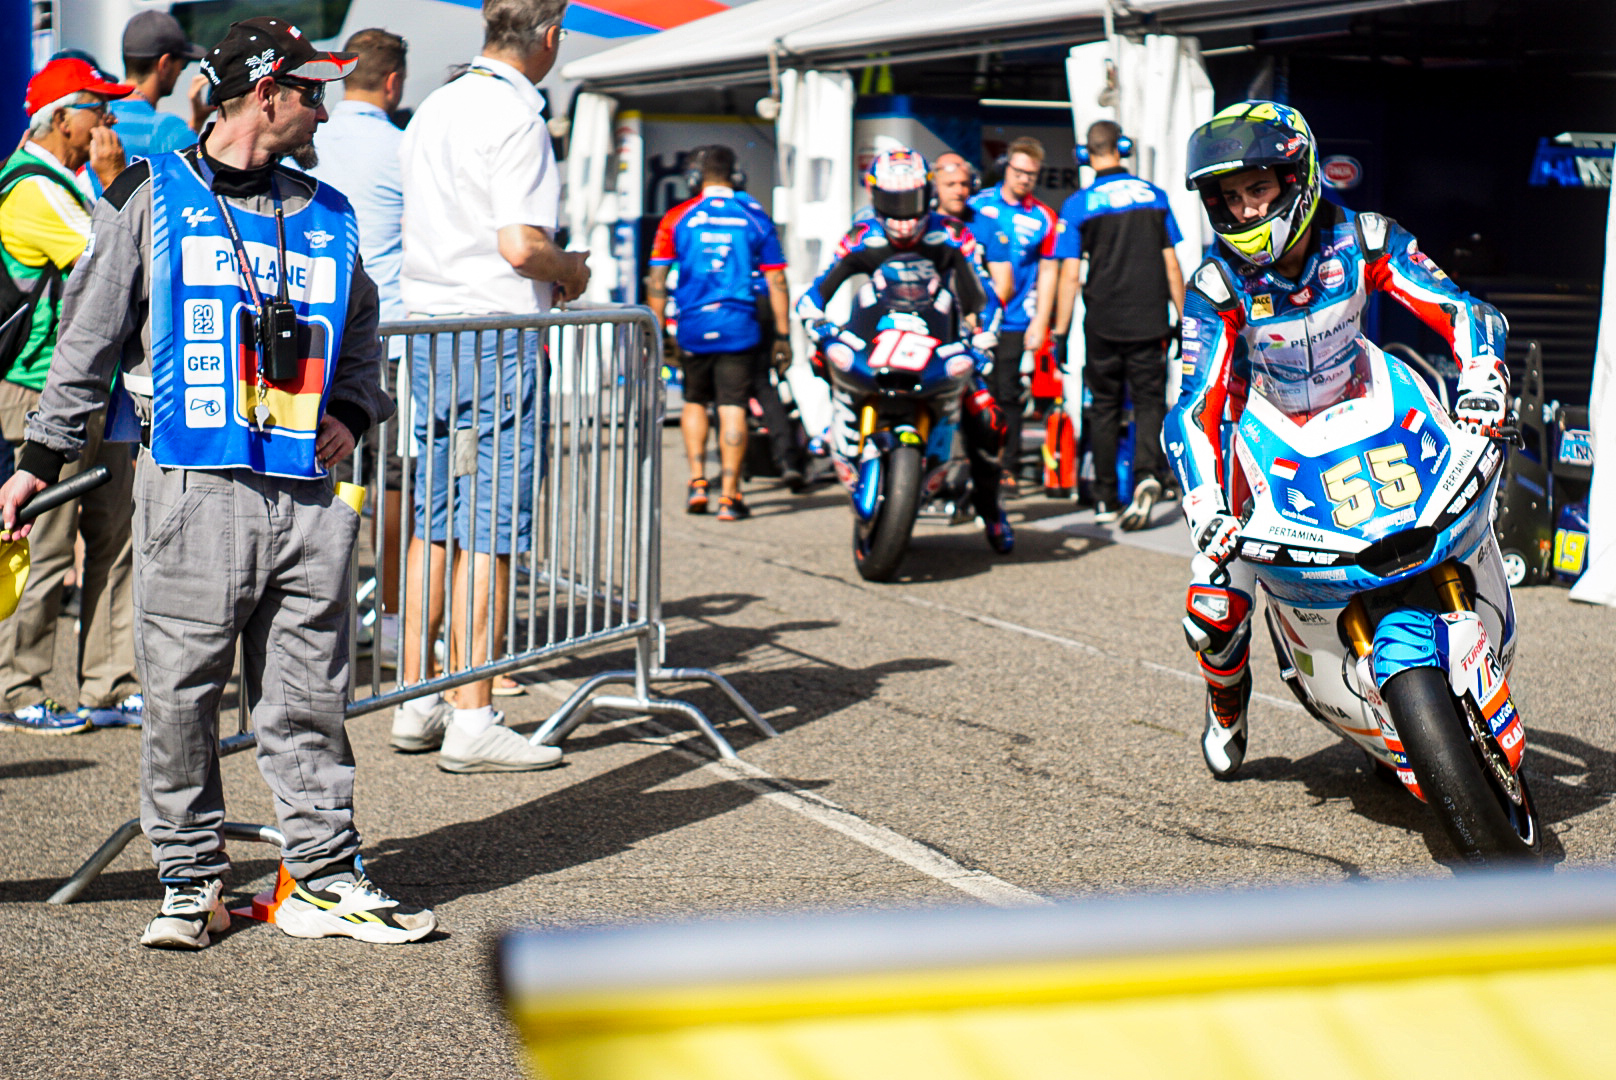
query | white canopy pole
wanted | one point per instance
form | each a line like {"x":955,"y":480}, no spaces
{"x":1598,"y":583}
{"x":813,"y":204}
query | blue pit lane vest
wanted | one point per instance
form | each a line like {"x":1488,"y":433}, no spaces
{"x":204,"y":354}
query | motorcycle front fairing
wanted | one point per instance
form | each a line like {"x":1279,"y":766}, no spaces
{"x":1362,"y":498}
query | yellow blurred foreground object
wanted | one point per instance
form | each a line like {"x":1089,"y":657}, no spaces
{"x":13,"y":575}
{"x":353,"y":495}
{"x":1496,"y":976}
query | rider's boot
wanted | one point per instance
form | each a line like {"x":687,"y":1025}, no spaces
{"x":1218,"y":627}
{"x":1223,"y":742}
{"x":1001,"y":537}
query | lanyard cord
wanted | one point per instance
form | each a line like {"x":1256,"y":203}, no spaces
{"x":260,"y":410}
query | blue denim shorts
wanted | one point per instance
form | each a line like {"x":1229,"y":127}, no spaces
{"x":492,"y":397}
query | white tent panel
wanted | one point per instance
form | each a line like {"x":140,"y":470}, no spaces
{"x":591,"y":199}
{"x":813,"y":204}
{"x":740,"y":35}
{"x":1598,"y":582}
{"x":893,"y":22}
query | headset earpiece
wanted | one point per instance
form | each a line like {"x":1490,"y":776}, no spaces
{"x":737,"y":178}
{"x":1124,"y":149}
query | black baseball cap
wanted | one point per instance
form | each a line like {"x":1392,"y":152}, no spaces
{"x":157,"y":33}
{"x":268,"y":47}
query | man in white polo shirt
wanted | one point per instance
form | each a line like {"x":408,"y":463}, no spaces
{"x":481,"y":200}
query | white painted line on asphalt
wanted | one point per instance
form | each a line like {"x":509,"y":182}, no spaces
{"x":1082,"y":646}
{"x":820,"y":810}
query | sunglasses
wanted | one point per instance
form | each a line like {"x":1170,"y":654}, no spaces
{"x":313,"y":93}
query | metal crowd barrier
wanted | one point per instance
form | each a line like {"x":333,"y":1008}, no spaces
{"x":587,"y":408}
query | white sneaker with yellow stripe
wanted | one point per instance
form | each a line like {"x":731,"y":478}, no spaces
{"x":352,"y":908}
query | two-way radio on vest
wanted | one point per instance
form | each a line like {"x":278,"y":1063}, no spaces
{"x":275,"y":325}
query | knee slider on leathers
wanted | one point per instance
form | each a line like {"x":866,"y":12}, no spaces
{"x":1218,"y":625}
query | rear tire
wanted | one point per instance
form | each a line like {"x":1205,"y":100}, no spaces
{"x":878,"y":546}
{"x":1484,"y":824}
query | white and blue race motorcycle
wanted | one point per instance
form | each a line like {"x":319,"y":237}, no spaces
{"x":1369,"y":527}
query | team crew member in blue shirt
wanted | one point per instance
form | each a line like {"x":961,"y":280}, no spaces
{"x":155,"y":52}
{"x":1122,"y":225}
{"x":718,"y":241}
{"x":1017,"y":234}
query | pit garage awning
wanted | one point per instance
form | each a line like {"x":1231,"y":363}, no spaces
{"x":741,"y":45}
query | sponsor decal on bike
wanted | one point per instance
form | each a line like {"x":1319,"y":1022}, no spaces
{"x":1311,"y":617}
{"x":1413,"y":421}
{"x":1258,"y":551}
{"x":1338,"y":574}
{"x":1284,"y":468}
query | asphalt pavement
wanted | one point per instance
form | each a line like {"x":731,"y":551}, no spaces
{"x":983,"y":730}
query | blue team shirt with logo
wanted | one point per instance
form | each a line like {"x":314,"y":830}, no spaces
{"x":720,"y":241}
{"x":1021,"y":234}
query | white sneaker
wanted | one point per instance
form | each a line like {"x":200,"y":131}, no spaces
{"x":1145,"y":497}
{"x":416,"y":734}
{"x":498,"y":749}
{"x":188,"y":913}
{"x":355,"y":909}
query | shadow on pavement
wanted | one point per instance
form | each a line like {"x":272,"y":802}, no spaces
{"x":1569,"y":778}
{"x":139,"y":884}
{"x":23,"y":770}
{"x":583,"y":823}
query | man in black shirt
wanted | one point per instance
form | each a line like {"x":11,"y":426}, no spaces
{"x":1124,"y":228}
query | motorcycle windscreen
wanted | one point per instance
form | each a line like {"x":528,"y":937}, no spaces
{"x":1302,"y":378}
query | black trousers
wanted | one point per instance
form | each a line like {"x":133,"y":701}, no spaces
{"x":1142,"y":366}
{"x":1007,"y":387}
{"x":783,"y":446}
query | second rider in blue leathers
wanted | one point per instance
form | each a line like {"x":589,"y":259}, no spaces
{"x":1290,"y":277}
{"x":903,"y":222}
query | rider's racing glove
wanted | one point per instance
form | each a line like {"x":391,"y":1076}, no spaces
{"x":1483,"y":399}
{"x":1217,"y":538}
{"x":822,"y":330}
{"x":1213,"y":529}
{"x":983,"y":342}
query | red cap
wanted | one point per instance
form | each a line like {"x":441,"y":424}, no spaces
{"x":65,"y":76}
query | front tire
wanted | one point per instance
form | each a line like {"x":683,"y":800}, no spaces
{"x":878,"y":545}
{"x":1485,"y":825}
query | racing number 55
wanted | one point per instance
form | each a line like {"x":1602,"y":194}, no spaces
{"x":1388,"y":465}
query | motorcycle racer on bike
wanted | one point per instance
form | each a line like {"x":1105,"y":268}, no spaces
{"x":1289,"y":279}
{"x":903,"y":223}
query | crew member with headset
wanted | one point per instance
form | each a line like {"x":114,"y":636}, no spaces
{"x":1122,"y":226}
{"x":226,"y":291}
{"x":719,"y":241}
{"x":1017,"y":234}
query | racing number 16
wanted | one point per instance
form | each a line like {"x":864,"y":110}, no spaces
{"x":1388,"y":465}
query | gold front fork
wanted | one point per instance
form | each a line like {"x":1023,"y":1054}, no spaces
{"x":866,"y":423}
{"x":1359,"y":630}
{"x":1449,"y":589}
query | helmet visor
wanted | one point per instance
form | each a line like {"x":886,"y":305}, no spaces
{"x":901,"y":205}
{"x":1238,"y":143}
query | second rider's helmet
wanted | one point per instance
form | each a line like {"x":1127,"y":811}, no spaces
{"x":1255,"y":135}
{"x":900,"y":194}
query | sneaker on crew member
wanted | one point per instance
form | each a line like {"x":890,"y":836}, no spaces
{"x":468,"y":740}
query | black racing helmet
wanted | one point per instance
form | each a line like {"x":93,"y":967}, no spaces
{"x":1255,"y":135}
